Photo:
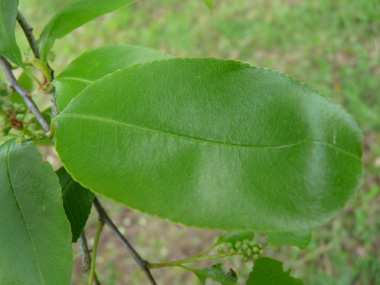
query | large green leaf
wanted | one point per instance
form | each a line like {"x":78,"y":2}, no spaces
{"x":301,"y":239}
{"x":73,"y":15}
{"x":8,"y":45}
{"x":213,"y":143}
{"x":95,"y":64}
{"x":269,"y":271}
{"x":77,"y":202}
{"x":35,"y":235}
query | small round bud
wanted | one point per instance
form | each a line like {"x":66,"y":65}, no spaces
{"x":40,"y":132}
{"x":19,"y":108}
{"x":252,"y":243}
{"x":231,"y":251}
{"x":7,"y":108}
{"x":261,"y":252}
{"x":240,"y":251}
{"x":238,"y":244}
{"x":20,"y":141}
{"x":255,"y":256}
{"x":244,"y":246}
{"x":229,"y":245}
{"x":220,"y":249}
{"x":30,"y":118}
{"x":20,"y":117}
{"x":33,"y":127}
{"x":29,"y":137}
{"x":248,"y":252}
{"x":255,"y":249}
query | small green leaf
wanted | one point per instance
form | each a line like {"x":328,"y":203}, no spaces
{"x":215,"y":273}
{"x":213,"y":143}
{"x":35,"y":235}
{"x":8,"y":46}
{"x":269,"y":271}
{"x":301,"y":239}
{"x":77,"y":202}
{"x":234,"y":236}
{"x":73,"y":15}
{"x":95,"y":64}
{"x":209,"y":3}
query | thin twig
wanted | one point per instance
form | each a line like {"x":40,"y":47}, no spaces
{"x":53,"y":100}
{"x":143,"y":264}
{"x":187,"y":260}
{"x":28,"y":31}
{"x":86,"y":257}
{"x":95,"y":251}
{"x":24,"y":93}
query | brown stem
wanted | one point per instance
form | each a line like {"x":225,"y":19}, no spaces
{"x":143,"y":264}
{"x":28,"y":31}
{"x":86,"y":257}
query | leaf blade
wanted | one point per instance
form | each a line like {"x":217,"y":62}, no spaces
{"x":215,"y":273}
{"x":299,"y":239}
{"x":210,"y":137}
{"x":269,"y":271}
{"x":73,"y":15}
{"x":36,"y":225}
{"x":77,"y":202}
{"x":103,"y":61}
{"x":8,"y":46}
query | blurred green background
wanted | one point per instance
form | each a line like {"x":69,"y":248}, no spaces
{"x":333,"y":45}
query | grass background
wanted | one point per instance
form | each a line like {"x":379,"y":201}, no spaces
{"x":333,"y":45}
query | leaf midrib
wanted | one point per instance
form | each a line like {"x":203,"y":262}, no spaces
{"x":21,"y":213}
{"x":115,"y":122}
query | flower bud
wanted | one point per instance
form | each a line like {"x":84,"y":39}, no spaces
{"x":255,"y":249}
{"x":20,"y":141}
{"x":30,"y":118}
{"x":221,"y":249}
{"x":20,"y":117}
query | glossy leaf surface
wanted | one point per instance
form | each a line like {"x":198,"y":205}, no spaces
{"x":77,"y":202}
{"x":299,"y":239}
{"x":215,"y":273}
{"x":213,"y":143}
{"x":73,"y":15}
{"x":8,"y":46}
{"x":269,"y":271}
{"x":35,"y":234}
{"x":95,"y":64}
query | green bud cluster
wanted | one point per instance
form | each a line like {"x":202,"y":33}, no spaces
{"x":14,"y":116}
{"x":249,"y":250}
